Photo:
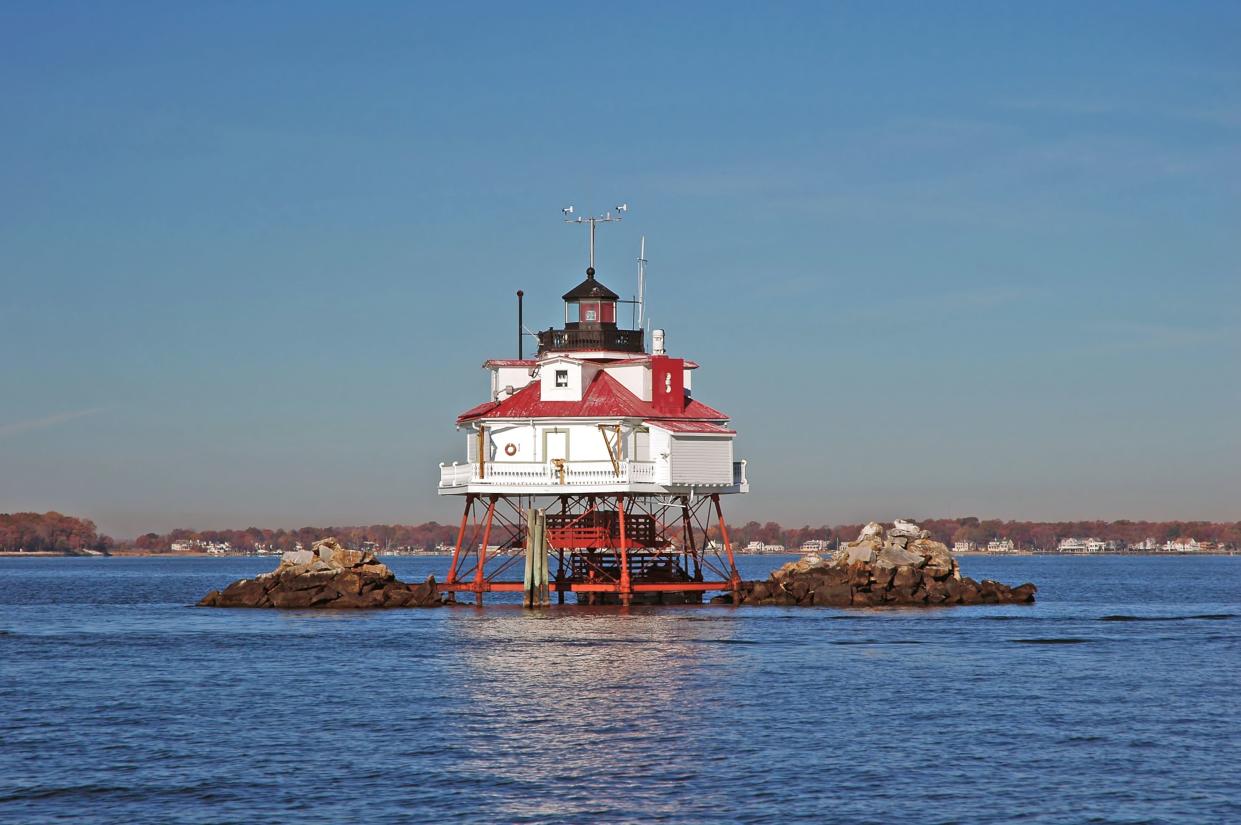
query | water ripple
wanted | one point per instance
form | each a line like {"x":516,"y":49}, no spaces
{"x":122,"y":705}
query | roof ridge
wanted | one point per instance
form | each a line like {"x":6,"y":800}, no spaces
{"x":604,"y":396}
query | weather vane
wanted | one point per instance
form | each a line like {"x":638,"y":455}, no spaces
{"x":607,"y":217}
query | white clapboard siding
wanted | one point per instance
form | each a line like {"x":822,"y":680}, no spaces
{"x":661,"y":454}
{"x":702,"y":460}
{"x":642,"y":445}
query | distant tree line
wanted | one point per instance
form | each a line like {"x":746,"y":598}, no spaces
{"x":49,"y":533}
{"x":1028,"y":534}
{"x":54,"y":532}
{"x":384,"y":536}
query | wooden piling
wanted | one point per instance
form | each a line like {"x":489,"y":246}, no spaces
{"x":535,"y":586}
{"x":543,"y":592}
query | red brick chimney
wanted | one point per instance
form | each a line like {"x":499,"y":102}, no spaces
{"x":668,"y":384}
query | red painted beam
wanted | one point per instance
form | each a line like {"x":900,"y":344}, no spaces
{"x":646,"y":587}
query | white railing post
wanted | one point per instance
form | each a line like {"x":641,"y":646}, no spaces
{"x":577,"y":473}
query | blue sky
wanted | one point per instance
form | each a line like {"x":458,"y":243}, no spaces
{"x":934,"y":259}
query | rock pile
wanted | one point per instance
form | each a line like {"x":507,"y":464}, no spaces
{"x":328,"y":575}
{"x":897,"y":566}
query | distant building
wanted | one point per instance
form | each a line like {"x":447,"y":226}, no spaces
{"x":758,"y":547}
{"x":1075,"y":545}
{"x":1182,"y":545}
{"x":1149,"y":545}
{"x":816,"y":546}
{"x":1001,"y":546}
{"x":964,"y":547}
{"x":211,"y":548}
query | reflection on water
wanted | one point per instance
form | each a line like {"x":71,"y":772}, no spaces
{"x":585,"y":691}
{"x":1111,"y":699}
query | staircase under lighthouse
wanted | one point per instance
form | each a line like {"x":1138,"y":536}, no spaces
{"x":604,"y":447}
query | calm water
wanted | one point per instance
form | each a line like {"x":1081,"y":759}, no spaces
{"x":1114,"y":699}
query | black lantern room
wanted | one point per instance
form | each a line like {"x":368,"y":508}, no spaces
{"x":590,"y":322}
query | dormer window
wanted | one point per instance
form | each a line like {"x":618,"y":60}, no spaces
{"x":562,"y":378}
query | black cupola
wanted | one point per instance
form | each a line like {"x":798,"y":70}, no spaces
{"x":590,"y":303}
{"x":590,"y":322}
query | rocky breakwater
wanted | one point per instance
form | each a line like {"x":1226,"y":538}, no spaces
{"x":326,"y":576}
{"x":899,"y":565}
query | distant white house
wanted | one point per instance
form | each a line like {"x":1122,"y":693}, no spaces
{"x":1076,"y":545}
{"x":211,"y":548}
{"x":815,"y":546}
{"x":1001,"y":546}
{"x":964,"y":547}
{"x":758,"y":547}
{"x":1182,"y":545}
{"x":1149,"y":545}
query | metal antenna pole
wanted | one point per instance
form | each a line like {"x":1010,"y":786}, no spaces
{"x":641,"y":280}
{"x":607,"y":217}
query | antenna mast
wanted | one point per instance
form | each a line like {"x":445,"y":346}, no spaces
{"x":641,"y":280}
{"x":607,"y":217}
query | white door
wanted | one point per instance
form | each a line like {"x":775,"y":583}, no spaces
{"x":557,"y":446}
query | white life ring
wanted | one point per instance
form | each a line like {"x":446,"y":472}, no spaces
{"x":510,"y":449}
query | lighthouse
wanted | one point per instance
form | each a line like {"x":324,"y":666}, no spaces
{"x":595,"y":463}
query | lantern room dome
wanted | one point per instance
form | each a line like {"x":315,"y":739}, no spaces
{"x":590,"y":288}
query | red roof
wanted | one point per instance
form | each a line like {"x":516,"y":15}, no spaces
{"x":646,"y":359}
{"x":693,"y":427}
{"x":510,"y":362}
{"x":605,"y":397}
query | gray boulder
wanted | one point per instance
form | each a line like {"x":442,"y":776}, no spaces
{"x":873,"y":530}
{"x":296,"y":558}
{"x":891,"y":556}
{"x":904,"y":528}
{"x":862,"y":552}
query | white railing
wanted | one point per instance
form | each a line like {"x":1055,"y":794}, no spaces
{"x":576,"y":473}
{"x":594,"y":472}
{"x":739,"y":472}
{"x":642,"y":472}
{"x":455,"y":475}
{"x":513,"y":472}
